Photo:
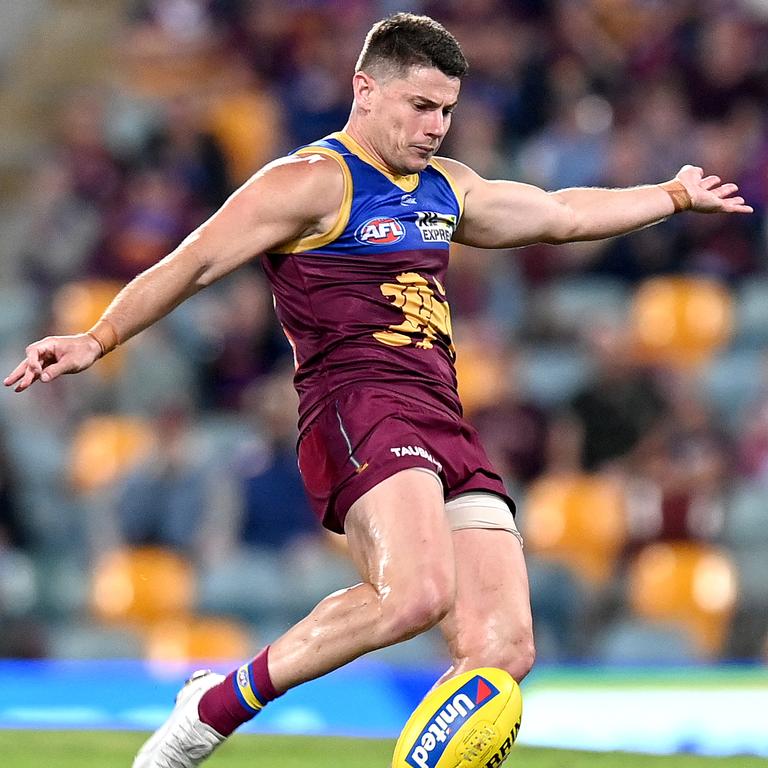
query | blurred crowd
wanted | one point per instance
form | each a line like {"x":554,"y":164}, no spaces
{"x":184,"y":439}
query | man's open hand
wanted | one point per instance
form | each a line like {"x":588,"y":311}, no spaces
{"x":52,"y":356}
{"x":709,"y":194}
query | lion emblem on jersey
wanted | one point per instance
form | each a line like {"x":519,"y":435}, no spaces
{"x":425,"y":315}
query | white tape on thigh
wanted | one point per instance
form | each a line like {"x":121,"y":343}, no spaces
{"x":433,"y":473}
{"x":481,"y":510}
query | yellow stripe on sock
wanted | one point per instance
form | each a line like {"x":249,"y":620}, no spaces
{"x":243,"y":680}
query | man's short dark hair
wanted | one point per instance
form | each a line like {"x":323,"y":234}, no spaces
{"x":405,"y":40}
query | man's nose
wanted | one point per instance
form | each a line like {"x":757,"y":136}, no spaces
{"x":437,"y":124}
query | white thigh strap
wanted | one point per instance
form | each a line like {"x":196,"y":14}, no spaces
{"x":481,"y":510}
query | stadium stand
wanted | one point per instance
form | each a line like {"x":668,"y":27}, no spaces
{"x":126,"y":123}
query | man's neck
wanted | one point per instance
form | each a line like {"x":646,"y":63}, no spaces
{"x":353,"y":130}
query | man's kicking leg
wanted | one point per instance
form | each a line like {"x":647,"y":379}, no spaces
{"x":490,"y":623}
{"x":402,"y":545}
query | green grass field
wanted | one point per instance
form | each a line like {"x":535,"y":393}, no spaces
{"x":78,"y":749}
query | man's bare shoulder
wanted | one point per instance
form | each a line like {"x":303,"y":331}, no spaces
{"x":312,"y":180}
{"x":306,"y":163}
{"x":461,"y":174}
{"x":296,"y":195}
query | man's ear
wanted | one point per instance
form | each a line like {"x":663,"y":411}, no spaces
{"x":364,"y":87}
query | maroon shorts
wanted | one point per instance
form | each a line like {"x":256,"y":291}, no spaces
{"x":366,"y":435}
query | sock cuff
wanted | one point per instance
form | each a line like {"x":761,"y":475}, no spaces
{"x":246,"y":690}
{"x":262,"y":676}
{"x":253,"y":685}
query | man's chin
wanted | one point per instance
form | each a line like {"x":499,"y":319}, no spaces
{"x":415,"y":165}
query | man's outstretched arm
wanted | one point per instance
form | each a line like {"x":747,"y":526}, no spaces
{"x":290,"y":198}
{"x":505,"y":214}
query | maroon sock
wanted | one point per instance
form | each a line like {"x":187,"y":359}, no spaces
{"x":239,"y":697}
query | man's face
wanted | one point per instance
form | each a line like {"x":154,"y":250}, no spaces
{"x":410,"y":115}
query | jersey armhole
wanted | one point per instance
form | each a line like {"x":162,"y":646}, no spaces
{"x":440,"y":168}
{"x":342,"y":219}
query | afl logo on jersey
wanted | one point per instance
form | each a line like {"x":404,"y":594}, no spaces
{"x":380,"y":231}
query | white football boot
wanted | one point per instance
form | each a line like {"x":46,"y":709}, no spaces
{"x":183,"y":741}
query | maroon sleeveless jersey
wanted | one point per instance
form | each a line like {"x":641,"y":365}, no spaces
{"x":365,"y":303}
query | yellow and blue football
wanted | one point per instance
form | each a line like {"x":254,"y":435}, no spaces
{"x":469,"y":721}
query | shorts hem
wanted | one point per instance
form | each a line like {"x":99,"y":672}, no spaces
{"x":356,"y":487}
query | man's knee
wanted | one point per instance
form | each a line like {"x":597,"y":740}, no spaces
{"x":417,"y":609}
{"x":514,"y":654}
{"x":519,"y":658}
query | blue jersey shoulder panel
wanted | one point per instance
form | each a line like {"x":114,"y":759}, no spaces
{"x":385,"y":218}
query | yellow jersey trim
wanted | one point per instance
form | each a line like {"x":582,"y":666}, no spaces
{"x":440,"y":168}
{"x":406,"y":183}
{"x":342,"y":219}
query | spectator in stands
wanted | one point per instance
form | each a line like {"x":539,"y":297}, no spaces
{"x":171,"y":499}
{"x":752,"y":439}
{"x":95,"y":173}
{"x":183,"y":145}
{"x":621,"y":406}
{"x":275,"y":511}
{"x":514,"y":428}
{"x":149,"y":222}
{"x":60,"y":228}
{"x":245,"y":341}
{"x":680,"y":474}
{"x":13,"y":533}
{"x":21,"y":636}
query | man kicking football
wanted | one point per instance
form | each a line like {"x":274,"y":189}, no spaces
{"x":354,"y":232}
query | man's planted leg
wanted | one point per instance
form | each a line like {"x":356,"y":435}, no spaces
{"x":401,"y":543}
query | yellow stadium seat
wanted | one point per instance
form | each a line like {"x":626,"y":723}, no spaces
{"x":246,"y":121}
{"x":578,"y":520}
{"x":685,"y":583}
{"x":681,"y":320}
{"x":105,"y":447}
{"x":143,"y":585}
{"x":197,"y":639}
{"x":481,"y":377}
